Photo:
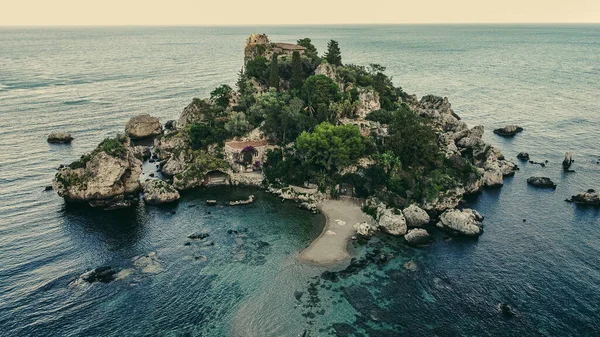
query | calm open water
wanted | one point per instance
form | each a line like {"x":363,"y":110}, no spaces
{"x":90,"y":81}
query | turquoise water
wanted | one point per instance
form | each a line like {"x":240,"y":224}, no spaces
{"x":91,"y":80}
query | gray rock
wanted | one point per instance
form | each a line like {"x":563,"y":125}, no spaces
{"x":364,"y":229}
{"x":466,"y":222}
{"x":568,"y":161}
{"x":590,"y":197}
{"x":59,"y":137}
{"x":143,"y":126}
{"x":392,"y":223}
{"x":508,"y":131}
{"x":159,"y":192}
{"x":417,"y":237}
{"x":541,"y":182}
{"x":415,"y":216}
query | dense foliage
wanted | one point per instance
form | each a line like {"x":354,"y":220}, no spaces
{"x":333,"y":55}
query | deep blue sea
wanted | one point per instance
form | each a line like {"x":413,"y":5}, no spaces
{"x":90,"y":81}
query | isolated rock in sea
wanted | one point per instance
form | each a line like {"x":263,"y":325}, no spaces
{"x":417,"y":237}
{"x":59,"y":137}
{"x":103,"y":274}
{"x":392,"y":223}
{"x":590,"y":197}
{"x":415,"y":216}
{"x":541,"y":182}
{"x":523,"y":156}
{"x":159,"y":192}
{"x":365,"y":229}
{"x":506,"y":310}
{"x":508,"y":131}
{"x":568,"y":161}
{"x":143,"y":126}
{"x":464,"y":222}
{"x":109,"y":173}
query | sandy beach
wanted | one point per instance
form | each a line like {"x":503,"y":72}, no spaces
{"x":330,"y":247}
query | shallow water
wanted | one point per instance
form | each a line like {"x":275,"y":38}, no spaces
{"x":91,"y":80}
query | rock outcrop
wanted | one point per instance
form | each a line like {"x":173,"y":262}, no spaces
{"x":417,"y":237}
{"x":465,"y":222}
{"x":364,"y":229}
{"x":590,"y":197}
{"x":392,"y":223}
{"x":523,"y":156}
{"x":159,"y":192}
{"x":60,"y":137}
{"x":415,"y":216}
{"x":193,"y":113}
{"x":143,"y":126}
{"x":508,"y":131}
{"x":102,"y":178}
{"x":568,"y":161}
{"x":368,"y":100}
{"x":543,"y":182}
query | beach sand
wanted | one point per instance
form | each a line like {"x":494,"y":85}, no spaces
{"x":330,"y":247}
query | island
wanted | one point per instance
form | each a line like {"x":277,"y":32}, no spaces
{"x":337,"y":138}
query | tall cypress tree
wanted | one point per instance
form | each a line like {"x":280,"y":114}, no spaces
{"x":297,"y":75}
{"x":333,"y":55}
{"x":274,"y":73}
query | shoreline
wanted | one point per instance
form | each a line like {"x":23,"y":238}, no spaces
{"x":330,"y":247}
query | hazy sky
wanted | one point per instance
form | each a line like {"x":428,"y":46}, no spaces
{"x":270,"y":12}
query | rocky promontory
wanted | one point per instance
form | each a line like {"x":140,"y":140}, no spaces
{"x":107,"y":177}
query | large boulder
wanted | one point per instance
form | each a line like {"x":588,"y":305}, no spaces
{"x":543,"y":182}
{"x":159,"y":192}
{"x":508,"y":131}
{"x":523,"y":156}
{"x":415,"y":216}
{"x":59,"y":137}
{"x":143,"y":126}
{"x":102,"y":177}
{"x":364,"y":229}
{"x":464,"y":222}
{"x":444,"y":200}
{"x":590,"y":197}
{"x":392,"y":223}
{"x":493,"y":178}
{"x":417,"y":237}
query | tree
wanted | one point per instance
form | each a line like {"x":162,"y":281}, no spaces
{"x":274,"y":73}
{"x":310,"y":48}
{"x":333,"y":54}
{"x":221,"y":95}
{"x":269,"y":103}
{"x":237,"y":125}
{"x":257,"y":68}
{"x":297,"y":79}
{"x":319,"y":91}
{"x":331,"y":148}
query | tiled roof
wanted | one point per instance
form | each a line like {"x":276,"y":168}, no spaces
{"x":288,"y":46}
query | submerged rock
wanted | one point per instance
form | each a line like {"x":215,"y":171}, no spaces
{"x":60,"y":137}
{"x":417,"y":237}
{"x":465,"y":222}
{"x":541,"y":182}
{"x":143,"y":126}
{"x":508,"y":131}
{"x":148,"y":264}
{"x":506,"y":310}
{"x":590,"y":197}
{"x":159,"y":192}
{"x":242,"y":202}
{"x":103,"y":274}
{"x":415,"y":216}
{"x":198,"y":236}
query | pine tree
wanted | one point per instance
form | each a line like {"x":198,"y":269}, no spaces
{"x":333,"y":55}
{"x":274,"y":73}
{"x":297,"y":79}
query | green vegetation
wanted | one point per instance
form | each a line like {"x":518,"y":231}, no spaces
{"x":394,"y":155}
{"x":274,"y":73}
{"x":333,"y":54}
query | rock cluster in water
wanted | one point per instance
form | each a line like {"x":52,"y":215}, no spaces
{"x":60,"y":137}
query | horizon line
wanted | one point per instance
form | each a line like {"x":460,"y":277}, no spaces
{"x":298,"y":24}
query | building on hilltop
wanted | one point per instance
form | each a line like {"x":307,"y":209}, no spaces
{"x":259,"y":45}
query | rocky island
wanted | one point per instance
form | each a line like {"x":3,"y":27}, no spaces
{"x":331,"y":136}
